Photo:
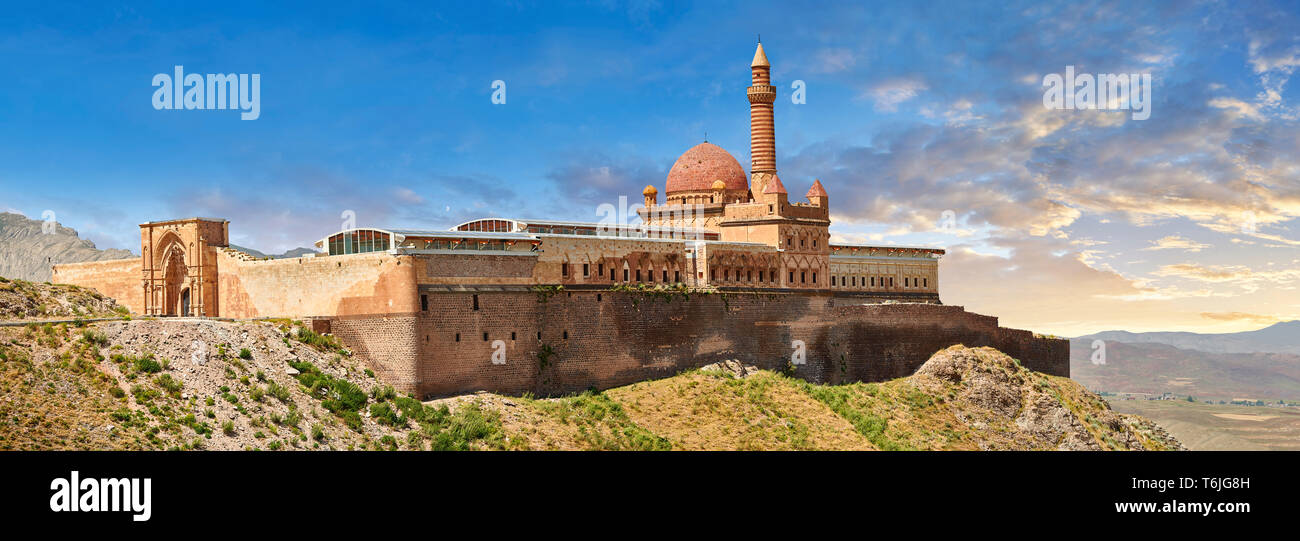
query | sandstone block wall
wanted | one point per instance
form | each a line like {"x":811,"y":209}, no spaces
{"x":606,"y":339}
{"x":388,"y":344}
{"x":344,"y":285}
{"x":119,"y":279}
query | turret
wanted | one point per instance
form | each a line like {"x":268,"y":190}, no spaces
{"x":817,"y":194}
{"x":719,"y":191}
{"x":774,"y":194}
{"x":651,"y":195}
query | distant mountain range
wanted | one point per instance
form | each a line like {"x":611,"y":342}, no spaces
{"x":27,"y":252}
{"x":296,"y":252}
{"x":1278,"y":338}
{"x":1262,"y":364}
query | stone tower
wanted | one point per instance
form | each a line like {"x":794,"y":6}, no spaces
{"x":799,"y":231}
{"x":762,"y":131}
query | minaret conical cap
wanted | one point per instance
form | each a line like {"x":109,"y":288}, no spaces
{"x":760,"y":58}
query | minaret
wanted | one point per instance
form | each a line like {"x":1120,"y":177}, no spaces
{"x":762,"y":133}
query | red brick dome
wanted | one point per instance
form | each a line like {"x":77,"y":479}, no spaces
{"x":703,"y":164}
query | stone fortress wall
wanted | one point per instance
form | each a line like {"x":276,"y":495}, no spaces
{"x":428,"y":323}
{"x":571,"y":340}
{"x":117,"y":278}
{"x":507,"y":306}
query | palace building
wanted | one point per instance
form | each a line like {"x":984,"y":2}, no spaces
{"x":725,"y":266}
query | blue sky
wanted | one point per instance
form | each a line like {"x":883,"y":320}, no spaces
{"x":1067,"y":221}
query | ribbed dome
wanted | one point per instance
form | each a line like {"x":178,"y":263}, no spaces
{"x":703,"y":164}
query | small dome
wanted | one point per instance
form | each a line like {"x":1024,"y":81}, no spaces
{"x":698,"y":168}
{"x":719,"y":185}
{"x":649,"y":190}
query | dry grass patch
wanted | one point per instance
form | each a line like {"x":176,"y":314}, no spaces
{"x":587,"y":421}
{"x":708,"y":410}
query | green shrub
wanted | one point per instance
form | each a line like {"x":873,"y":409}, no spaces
{"x":167,"y":383}
{"x":411,"y":408}
{"x":245,"y":354}
{"x":279,"y":392}
{"x":143,"y":395}
{"x":94,"y":338}
{"x":382,"y":393}
{"x":470,"y":425}
{"x":352,"y":419}
{"x":384,"y":415}
{"x":319,"y":341}
{"x":228,"y":428}
{"x":147,"y":364}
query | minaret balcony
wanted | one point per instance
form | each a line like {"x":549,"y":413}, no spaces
{"x":761,"y":93}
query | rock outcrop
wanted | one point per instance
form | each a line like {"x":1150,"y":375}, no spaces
{"x":987,"y":389}
{"x":27,"y":251}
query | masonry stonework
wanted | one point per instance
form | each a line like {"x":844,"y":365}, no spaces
{"x":727,"y":267}
{"x":598,"y":339}
{"x":119,"y":279}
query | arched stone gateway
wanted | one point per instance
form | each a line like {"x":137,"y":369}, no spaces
{"x":175,"y":278}
{"x":179,"y":266}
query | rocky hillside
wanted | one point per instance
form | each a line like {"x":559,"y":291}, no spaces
{"x":20,"y":299}
{"x":275,"y":385}
{"x":26,"y":252}
{"x":156,"y":384}
{"x":151,"y":384}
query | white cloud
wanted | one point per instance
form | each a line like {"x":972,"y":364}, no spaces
{"x":407,"y":195}
{"x":832,"y":60}
{"x":889,"y":94}
{"x":1175,"y":242}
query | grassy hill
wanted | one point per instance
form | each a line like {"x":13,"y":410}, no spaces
{"x":274,"y":385}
